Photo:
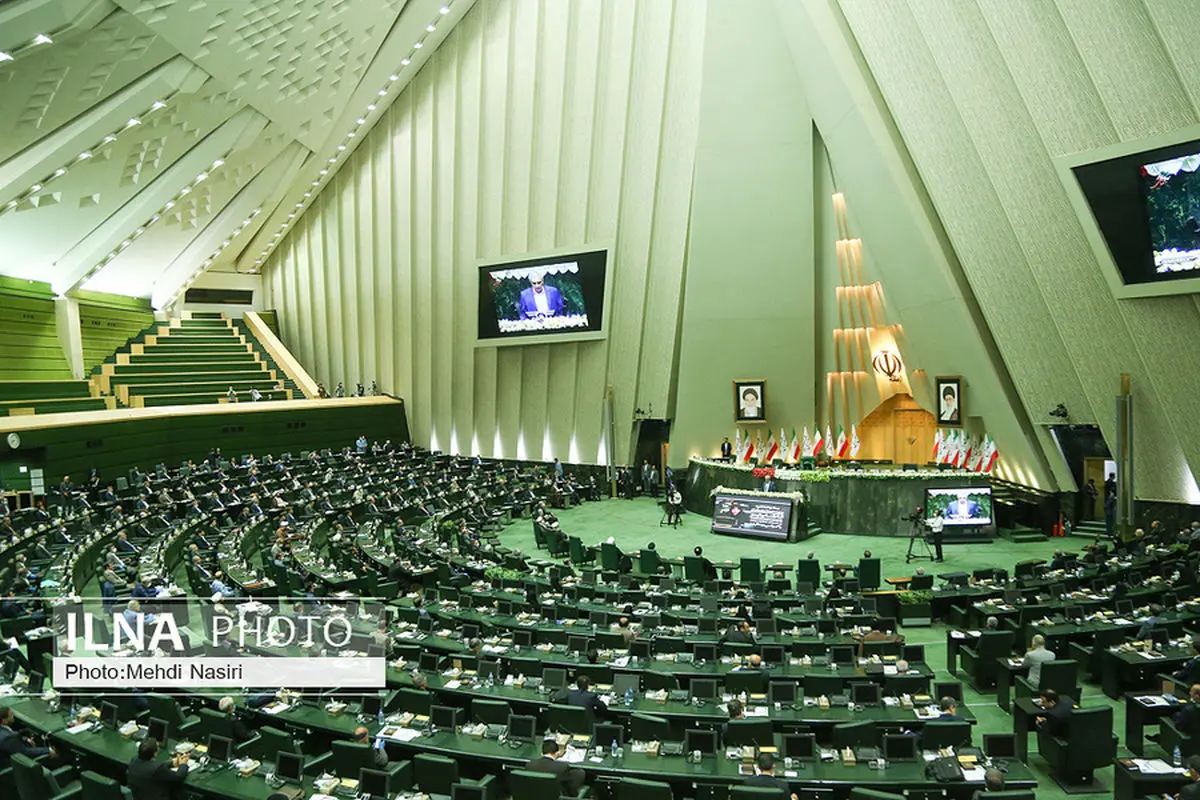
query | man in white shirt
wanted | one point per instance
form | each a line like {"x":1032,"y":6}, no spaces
{"x":1035,"y":657}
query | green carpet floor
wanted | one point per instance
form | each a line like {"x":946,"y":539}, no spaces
{"x":634,"y":523}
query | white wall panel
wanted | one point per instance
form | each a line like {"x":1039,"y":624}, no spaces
{"x":537,"y":125}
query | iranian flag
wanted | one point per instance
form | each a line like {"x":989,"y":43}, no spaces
{"x":806,"y":445}
{"x":796,"y":452}
{"x":855,"y":444}
{"x":992,"y":454}
{"x":843,"y":444}
{"x":939,"y":440}
{"x":960,"y":446}
{"x":829,"y":451}
{"x":948,"y":448}
{"x":772,"y":448}
{"x":971,"y":448}
{"x":749,"y":454}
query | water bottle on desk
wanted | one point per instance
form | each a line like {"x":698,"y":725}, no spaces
{"x":1176,"y":757}
{"x":629,"y":697}
{"x":615,"y":749}
{"x":379,"y":715}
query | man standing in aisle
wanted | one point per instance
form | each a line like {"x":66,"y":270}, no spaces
{"x":936,"y":525}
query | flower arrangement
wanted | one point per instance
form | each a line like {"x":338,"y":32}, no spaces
{"x":797,"y":496}
{"x":827,"y":474}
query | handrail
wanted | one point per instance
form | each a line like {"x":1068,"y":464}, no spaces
{"x":280,"y":353}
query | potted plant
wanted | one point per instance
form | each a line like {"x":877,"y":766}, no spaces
{"x":916,"y":607}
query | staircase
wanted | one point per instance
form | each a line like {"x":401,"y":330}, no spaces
{"x":189,"y":361}
{"x":50,"y":397}
{"x":262,"y":353}
{"x":1091,"y":529}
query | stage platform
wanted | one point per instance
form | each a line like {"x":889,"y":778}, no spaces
{"x":872,"y":502}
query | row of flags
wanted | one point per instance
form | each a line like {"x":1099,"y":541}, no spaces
{"x":794,"y":448}
{"x":972,"y":453}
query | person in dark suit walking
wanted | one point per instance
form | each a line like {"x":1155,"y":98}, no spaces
{"x":766,"y":777}
{"x":149,"y":779}
{"x":569,"y":777}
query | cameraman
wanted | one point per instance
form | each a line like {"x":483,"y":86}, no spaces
{"x":936,"y":524}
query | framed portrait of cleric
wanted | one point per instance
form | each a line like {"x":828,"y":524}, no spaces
{"x":949,"y":401}
{"x":750,"y":400}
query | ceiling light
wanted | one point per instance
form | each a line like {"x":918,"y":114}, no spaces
{"x":133,"y":121}
{"x":42,"y":38}
{"x":125,"y":244}
{"x":316,"y":183}
{"x":218,"y":162}
{"x":360,"y":121}
{"x":341,"y":147}
{"x":185,"y":190}
{"x":5,"y":56}
{"x":393,"y":77}
{"x":157,"y":105}
{"x":350,"y":135}
{"x":225,"y":243}
{"x":84,"y":155}
{"x":324,"y":172}
{"x":332,"y":159}
{"x":371,"y":107}
{"x":382,"y":92}
{"x":58,"y":173}
{"x":418,"y":45}
{"x":277,"y":235}
{"x":109,"y":138}
{"x":308,"y":194}
{"x":203,"y":176}
{"x":299,"y":205}
{"x":139,"y":231}
{"x":431,"y":27}
{"x":37,"y":187}
{"x":170,"y":204}
{"x":258,"y":261}
{"x":444,"y":10}
{"x":405,"y":61}
{"x":292,"y":215}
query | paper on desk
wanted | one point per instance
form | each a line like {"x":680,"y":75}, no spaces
{"x":973,"y":774}
{"x":574,"y":755}
{"x":957,"y":635}
{"x":80,"y":728}
{"x":1152,"y":700}
{"x":1155,"y":766}
{"x":756,"y":711}
{"x":404,"y":734}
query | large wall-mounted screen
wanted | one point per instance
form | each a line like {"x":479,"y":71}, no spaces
{"x":751,"y":515}
{"x":968,"y":506}
{"x":556,"y":297}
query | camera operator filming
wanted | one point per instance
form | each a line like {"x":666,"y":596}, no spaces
{"x":936,"y":523}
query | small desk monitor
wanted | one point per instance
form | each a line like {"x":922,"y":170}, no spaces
{"x":372,"y":704}
{"x":444,"y":717}
{"x":800,"y":745}
{"x":705,"y":652}
{"x":522,"y":728}
{"x":554,"y":677}
{"x":899,"y":747}
{"x":158,"y":730}
{"x":782,"y":692}
{"x":523,"y":638}
{"x":375,"y":783}
{"x":219,"y":747}
{"x":703,"y":740}
{"x":704,"y":688}
{"x":605,"y":733}
{"x":289,"y":767}
{"x":952,"y":689}
{"x":465,"y":791}
{"x":110,"y":715}
{"x":626,"y":681}
{"x":866,"y":694}
{"x":1000,"y":745}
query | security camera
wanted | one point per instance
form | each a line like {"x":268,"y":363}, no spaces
{"x":1059,"y":411}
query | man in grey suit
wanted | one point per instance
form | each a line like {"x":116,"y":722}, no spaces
{"x":1035,"y":657}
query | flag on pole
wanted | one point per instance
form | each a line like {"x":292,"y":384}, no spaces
{"x":749,"y":454}
{"x":948,"y":448}
{"x":939,"y":439}
{"x":843,"y":444}
{"x":993,"y":454}
{"x":855,"y":444}
{"x":829,"y":451}
{"x":795,"y":448}
{"x":806,"y":446}
{"x":970,"y":448}
{"x":737,"y":444}
{"x":785,"y":449}
{"x":818,"y":442}
{"x":772,"y":448}
{"x":959,"y":448}
{"x":759,"y":447}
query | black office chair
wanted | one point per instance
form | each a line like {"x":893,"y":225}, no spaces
{"x":855,"y":734}
{"x":569,"y":719}
{"x":647,"y":728}
{"x":906,"y":684}
{"x":415,"y":701}
{"x":167,"y":708}
{"x":347,"y":758}
{"x":98,"y":787}
{"x":434,"y":774}
{"x":980,"y":661}
{"x":948,"y":733}
{"x":817,"y":685}
{"x":490,"y":712}
{"x":1059,"y":675}
{"x":741,"y":732}
{"x":35,"y":782}
{"x":1088,"y":745}
{"x":868,"y":573}
{"x":524,"y":783}
{"x":1170,"y":737}
{"x":748,"y":681}
{"x":637,"y":789}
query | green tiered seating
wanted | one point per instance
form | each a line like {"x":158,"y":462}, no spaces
{"x":48,"y":397}
{"x":29,"y":346}
{"x":188,"y":362}
{"x":107,"y":322}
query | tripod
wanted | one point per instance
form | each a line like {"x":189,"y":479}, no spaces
{"x":671,"y":514}
{"x":921,"y":551}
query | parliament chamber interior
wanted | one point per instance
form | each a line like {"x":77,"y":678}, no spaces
{"x":385,"y":412}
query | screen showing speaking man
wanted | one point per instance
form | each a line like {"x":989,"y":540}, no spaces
{"x":556,"y":295}
{"x":967,"y":506}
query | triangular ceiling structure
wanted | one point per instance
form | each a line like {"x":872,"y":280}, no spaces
{"x":145,"y":141}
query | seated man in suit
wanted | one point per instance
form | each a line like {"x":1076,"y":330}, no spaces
{"x":1187,"y":718}
{"x":1057,"y":709}
{"x":765,"y":776}
{"x":1189,"y":673}
{"x":735,"y":710}
{"x":583,"y":696}
{"x":949,"y":708}
{"x":149,"y":779}
{"x":363,"y":736}
{"x":1035,"y":657}
{"x":993,"y":781}
{"x":241,"y":732}
{"x":569,"y":777}
{"x":12,"y":742}
{"x":738,"y":634}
